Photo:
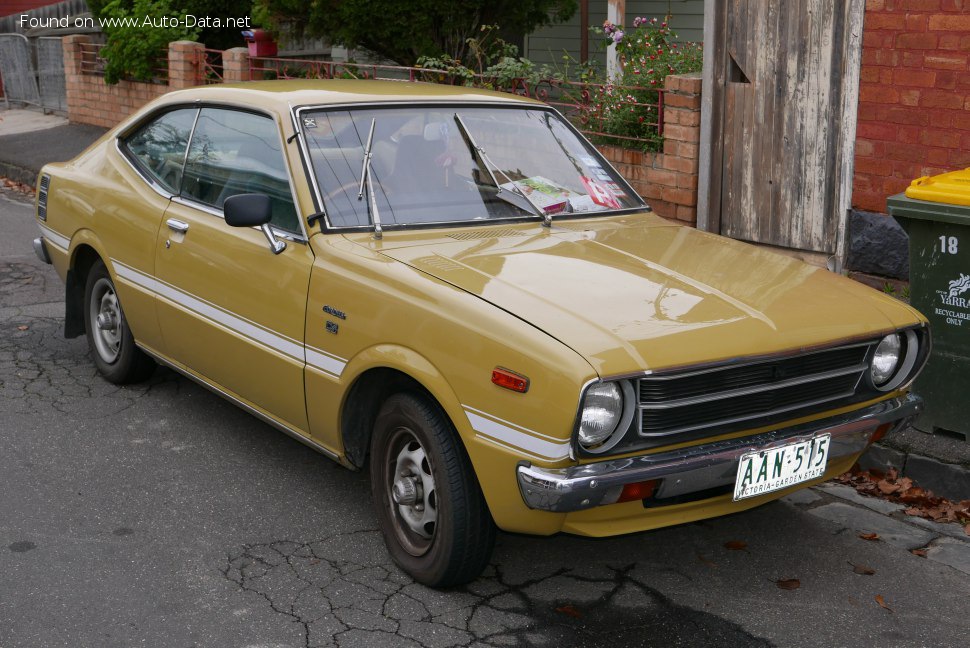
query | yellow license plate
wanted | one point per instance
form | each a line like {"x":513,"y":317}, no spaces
{"x":770,"y":470}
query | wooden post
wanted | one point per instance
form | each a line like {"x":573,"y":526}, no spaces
{"x":615,"y":13}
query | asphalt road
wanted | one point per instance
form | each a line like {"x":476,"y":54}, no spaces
{"x":161,"y":515}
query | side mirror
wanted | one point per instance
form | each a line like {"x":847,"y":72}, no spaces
{"x":252,"y":210}
{"x":247,"y":210}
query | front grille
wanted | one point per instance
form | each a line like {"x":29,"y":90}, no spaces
{"x":686,"y":405}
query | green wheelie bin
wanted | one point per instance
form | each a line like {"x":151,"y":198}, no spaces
{"x":935,"y":212}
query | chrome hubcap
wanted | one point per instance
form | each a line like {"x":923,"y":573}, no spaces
{"x":106,"y":323}
{"x":405,"y":491}
{"x":412,"y":490}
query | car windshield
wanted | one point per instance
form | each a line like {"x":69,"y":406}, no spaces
{"x":456,"y":164}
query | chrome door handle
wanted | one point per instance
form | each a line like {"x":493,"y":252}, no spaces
{"x":177,"y":226}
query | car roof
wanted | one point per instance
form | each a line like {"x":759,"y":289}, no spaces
{"x":281,"y":95}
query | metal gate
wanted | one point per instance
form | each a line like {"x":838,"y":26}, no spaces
{"x":50,"y":73}
{"x":781,"y":84}
{"x":17,"y":68}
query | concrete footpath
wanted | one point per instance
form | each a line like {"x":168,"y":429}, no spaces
{"x":29,"y":139}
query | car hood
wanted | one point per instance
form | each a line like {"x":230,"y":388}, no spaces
{"x":639,"y":293}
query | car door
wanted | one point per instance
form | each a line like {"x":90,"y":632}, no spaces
{"x":230,"y":309}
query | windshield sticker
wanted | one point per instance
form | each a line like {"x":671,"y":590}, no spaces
{"x":582,"y":203}
{"x":309,"y":122}
{"x":601,"y":194}
{"x":546,"y":194}
{"x":617,"y":190}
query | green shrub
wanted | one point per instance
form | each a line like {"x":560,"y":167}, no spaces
{"x":626,"y":105}
{"x":134,"y":49}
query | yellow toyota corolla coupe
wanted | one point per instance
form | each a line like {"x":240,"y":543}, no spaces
{"x":454,"y":288}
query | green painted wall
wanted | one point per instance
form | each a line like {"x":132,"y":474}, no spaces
{"x":547,"y":45}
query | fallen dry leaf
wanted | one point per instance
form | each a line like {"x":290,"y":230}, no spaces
{"x":788,"y":584}
{"x":863,"y":570}
{"x":882,"y":602}
{"x":23,"y":327}
{"x":967,"y":529}
{"x":887,"y":488}
{"x":918,"y":552}
{"x":570,"y":610}
{"x":736,"y":545}
{"x":919,"y":501}
{"x":869,"y":536}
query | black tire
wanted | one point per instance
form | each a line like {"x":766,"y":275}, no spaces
{"x":413,"y":440}
{"x":111,"y":343}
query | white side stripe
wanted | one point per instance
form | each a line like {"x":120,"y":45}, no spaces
{"x":319,"y":360}
{"x":325,"y":362}
{"x":491,"y":428}
{"x":59,"y":240}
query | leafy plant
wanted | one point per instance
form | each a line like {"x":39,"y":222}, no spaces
{"x":626,"y":107}
{"x":134,"y":49}
{"x":495,"y":64}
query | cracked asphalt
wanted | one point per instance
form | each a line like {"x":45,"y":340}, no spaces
{"x":161,"y":515}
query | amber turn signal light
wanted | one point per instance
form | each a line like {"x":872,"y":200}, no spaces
{"x":510,"y":380}
{"x":880,"y":432}
{"x":638,"y":490}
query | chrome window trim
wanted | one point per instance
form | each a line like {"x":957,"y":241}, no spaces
{"x":152,"y":184}
{"x":127,"y":155}
{"x":198,"y":106}
{"x":328,"y":227}
{"x":301,"y":219}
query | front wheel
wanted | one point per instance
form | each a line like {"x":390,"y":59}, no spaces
{"x":109,"y":338}
{"x":429,"y":506}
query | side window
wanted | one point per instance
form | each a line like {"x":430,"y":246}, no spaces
{"x":234,"y":152}
{"x":160,"y":146}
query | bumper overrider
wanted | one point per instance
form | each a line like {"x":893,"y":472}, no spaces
{"x":703,"y":467}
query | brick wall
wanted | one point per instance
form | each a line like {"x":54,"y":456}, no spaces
{"x":914,"y":96}
{"x":92,"y":101}
{"x":668,"y":179}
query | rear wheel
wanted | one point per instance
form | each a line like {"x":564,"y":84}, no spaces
{"x":109,"y":338}
{"x":429,"y":506}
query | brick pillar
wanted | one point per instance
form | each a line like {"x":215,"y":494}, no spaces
{"x":235,"y":65}
{"x":184,"y":64}
{"x":682,"y":134}
{"x":71,"y":48}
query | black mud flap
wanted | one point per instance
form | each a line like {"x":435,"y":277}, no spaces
{"x":73,"y":307}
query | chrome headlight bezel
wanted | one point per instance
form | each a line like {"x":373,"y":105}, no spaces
{"x":624,"y":418}
{"x":903,"y":371}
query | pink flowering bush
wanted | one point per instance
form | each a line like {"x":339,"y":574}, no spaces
{"x":626,"y":107}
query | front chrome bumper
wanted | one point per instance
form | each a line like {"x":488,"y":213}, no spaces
{"x":702,"y":467}
{"x":40,"y":249}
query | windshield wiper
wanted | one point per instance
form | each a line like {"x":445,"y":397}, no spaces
{"x":366,"y":180}
{"x":492,"y":168}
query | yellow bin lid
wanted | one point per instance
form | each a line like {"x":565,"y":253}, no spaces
{"x":952,"y":188}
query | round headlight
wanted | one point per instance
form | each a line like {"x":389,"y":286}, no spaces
{"x":602,"y":411}
{"x":886,"y":359}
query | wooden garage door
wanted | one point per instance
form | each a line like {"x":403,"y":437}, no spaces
{"x":784,"y":96}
